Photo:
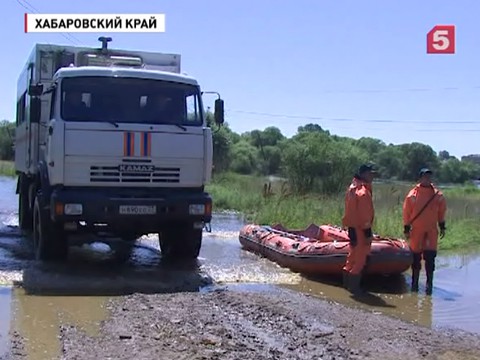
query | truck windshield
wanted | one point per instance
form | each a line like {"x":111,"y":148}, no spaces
{"x":130,"y":100}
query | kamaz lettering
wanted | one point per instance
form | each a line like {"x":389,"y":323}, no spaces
{"x":136,"y":168}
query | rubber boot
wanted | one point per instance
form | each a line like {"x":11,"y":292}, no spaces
{"x":354,"y":284}
{"x":345,"y":279}
{"x":429,"y":269}
{"x":429,"y":289}
{"x":416,"y":268}
{"x":415,"y":276}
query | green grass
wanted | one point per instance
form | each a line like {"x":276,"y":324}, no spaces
{"x":7,"y":168}
{"x":245,"y":195}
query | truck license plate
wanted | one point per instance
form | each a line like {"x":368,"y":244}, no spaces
{"x":138,"y":209}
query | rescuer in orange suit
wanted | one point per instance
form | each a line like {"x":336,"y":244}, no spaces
{"x":358,"y":218}
{"x":423,"y":208}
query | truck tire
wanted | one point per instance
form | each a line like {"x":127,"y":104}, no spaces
{"x":129,"y":238}
{"x":49,"y":239}
{"x":123,"y":252}
{"x":25,"y":214}
{"x":181,"y":242}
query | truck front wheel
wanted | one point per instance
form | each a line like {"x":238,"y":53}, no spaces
{"x":49,"y":239}
{"x":181,"y":241}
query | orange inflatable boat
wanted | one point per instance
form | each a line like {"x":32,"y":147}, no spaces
{"x":322,"y":250}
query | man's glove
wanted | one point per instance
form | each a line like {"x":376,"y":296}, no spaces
{"x":352,"y":235}
{"x":406,"y":230}
{"x":442,"y":227}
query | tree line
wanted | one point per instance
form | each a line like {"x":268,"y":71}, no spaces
{"x":7,"y":136}
{"x":316,"y":160}
{"x":313,"y":159}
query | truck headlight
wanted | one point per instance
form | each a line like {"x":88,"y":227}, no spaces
{"x":73,"y":209}
{"x":196,"y":209}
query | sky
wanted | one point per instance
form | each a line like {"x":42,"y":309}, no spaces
{"x":356,"y":68}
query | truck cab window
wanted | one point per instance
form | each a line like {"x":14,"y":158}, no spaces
{"x":74,"y":106}
{"x":128,"y":100}
{"x":162,"y":108}
{"x":21,"y":109}
{"x":192,"y":108}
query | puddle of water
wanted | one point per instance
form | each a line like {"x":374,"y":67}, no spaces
{"x":39,"y":318}
{"x":222,"y":258}
{"x":455,"y":299}
{"x":5,"y":300}
{"x":8,"y":202}
{"x":457,"y":293}
{"x":454,"y":302}
{"x":224,"y":225}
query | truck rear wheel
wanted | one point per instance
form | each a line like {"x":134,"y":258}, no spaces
{"x":123,"y":251}
{"x":49,"y":239}
{"x":25,"y":216}
{"x":181,"y":241}
{"x":25,"y":213}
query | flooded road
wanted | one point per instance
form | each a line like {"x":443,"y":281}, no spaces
{"x":77,"y":293}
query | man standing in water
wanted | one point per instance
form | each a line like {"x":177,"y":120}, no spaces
{"x":423,"y":208}
{"x":358,"y":218}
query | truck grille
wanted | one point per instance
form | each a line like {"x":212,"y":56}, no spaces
{"x":114,"y":174}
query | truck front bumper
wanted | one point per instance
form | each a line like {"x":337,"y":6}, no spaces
{"x":125,"y":211}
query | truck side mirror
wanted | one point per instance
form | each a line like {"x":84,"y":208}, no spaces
{"x":35,"y":110}
{"x":35,"y":90}
{"x":219,"y":112}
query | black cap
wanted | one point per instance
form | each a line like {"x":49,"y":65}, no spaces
{"x":366,"y":167}
{"x":425,"y":171}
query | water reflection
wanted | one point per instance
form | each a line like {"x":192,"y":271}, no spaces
{"x":457,"y":292}
{"x":39,"y":320}
{"x":454,"y":303}
{"x":5,"y":299}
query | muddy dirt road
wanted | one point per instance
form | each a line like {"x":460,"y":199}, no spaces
{"x":230,"y":304}
{"x":274,"y":325}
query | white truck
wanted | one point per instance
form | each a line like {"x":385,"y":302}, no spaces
{"x":112,"y":142}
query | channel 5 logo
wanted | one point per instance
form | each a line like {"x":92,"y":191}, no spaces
{"x":441,"y":40}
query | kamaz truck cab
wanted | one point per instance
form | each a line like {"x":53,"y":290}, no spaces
{"x":112,"y":142}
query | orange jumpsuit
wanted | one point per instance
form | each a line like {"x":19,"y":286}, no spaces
{"x":358,"y":217}
{"x":424,"y":230}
